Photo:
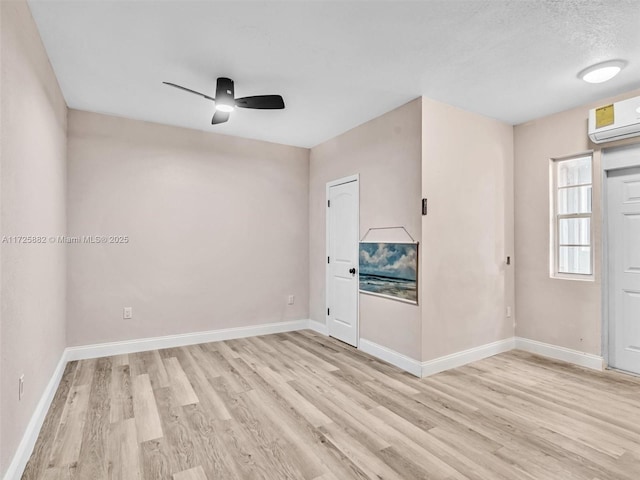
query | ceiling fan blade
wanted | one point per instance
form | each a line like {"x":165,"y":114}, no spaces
{"x":262,"y":102}
{"x":219,"y":117}
{"x":189,"y":90}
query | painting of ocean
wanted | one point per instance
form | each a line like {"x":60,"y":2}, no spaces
{"x":389,"y":270}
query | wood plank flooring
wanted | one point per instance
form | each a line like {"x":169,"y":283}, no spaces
{"x":302,"y":406}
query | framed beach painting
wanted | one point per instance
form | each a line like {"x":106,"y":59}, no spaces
{"x":389,"y":270}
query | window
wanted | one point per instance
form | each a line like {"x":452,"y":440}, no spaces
{"x":571,"y":217}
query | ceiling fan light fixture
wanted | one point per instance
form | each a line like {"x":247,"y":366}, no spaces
{"x":225,"y":101}
{"x":223,"y":107}
{"x":601,"y":72}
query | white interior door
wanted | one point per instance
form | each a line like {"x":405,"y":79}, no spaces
{"x":342,"y":259}
{"x":623,"y":223}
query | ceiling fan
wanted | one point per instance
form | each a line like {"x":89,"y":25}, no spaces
{"x":225,"y":101}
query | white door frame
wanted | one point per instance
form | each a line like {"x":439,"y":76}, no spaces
{"x":335,"y":183}
{"x":611,"y":159}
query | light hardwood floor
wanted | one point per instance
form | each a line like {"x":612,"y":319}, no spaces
{"x":303,"y":406}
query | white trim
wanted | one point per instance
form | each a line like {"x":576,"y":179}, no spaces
{"x":318,"y":327}
{"x":611,"y":159}
{"x":25,"y":448}
{"x":576,"y":357}
{"x":555,"y":218}
{"x":23,"y":452}
{"x":459,"y":359}
{"x":180,"y":340}
{"x":399,"y":360}
{"x":569,"y":156}
{"x":437,"y":365}
{"x":464,"y":357}
{"x":408,"y":364}
{"x":334,"y":183}
{"x":604,"y":258}
{"x":343,"y":180}
{"x":616,"y":158}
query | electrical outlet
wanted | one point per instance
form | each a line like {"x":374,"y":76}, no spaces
{"x":127,"y":313}
{"x":508,"y":312}
{"x":291,"y":300}
{"x":20,"y":387}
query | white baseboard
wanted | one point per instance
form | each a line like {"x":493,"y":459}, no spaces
{"x":576,"y":357}
{"x":464,"y":357}
{"x":430,"y":367}
{"x":181,"y":340}
{"x":410,"y":365}
{"x":399,"y":360}
{"x":318,"y":327}
{"x":21,"y":457}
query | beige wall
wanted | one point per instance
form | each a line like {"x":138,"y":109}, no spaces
{"x":222,"y":229}
{"x":33,"y":176}
{"x":566,"y":313}
{"x":467,"y":177}
{"x":217,"y":225}
{"x":386,"y":153}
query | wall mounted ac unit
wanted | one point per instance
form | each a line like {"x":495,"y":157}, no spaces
{"x":615,"y":122}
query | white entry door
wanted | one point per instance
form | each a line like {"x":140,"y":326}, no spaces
{"x":623,"y":223}
{"x":342,"y":259}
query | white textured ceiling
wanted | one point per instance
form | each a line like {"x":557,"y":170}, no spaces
{"x":337,"y":64}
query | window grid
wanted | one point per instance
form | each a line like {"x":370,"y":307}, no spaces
{"x":573,"y":257}
{"x":575,"y":186}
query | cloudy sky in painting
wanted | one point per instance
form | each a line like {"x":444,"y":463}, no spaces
{"x":396,"y":260}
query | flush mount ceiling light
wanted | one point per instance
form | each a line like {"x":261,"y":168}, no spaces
{"x":602,"y":72}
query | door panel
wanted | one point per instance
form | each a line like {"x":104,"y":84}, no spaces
{"x":630,"y":323}
{"x":623,"y":218}
{"x":631,"y":234}
{"x":632,"y":191}
{"x":342,"y":249}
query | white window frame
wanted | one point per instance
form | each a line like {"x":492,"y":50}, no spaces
{"x":555,"y":220}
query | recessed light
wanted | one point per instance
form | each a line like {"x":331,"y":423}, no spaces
{"x":602,"y":72}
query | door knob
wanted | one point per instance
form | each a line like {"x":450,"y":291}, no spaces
{"x":352,"y":271}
